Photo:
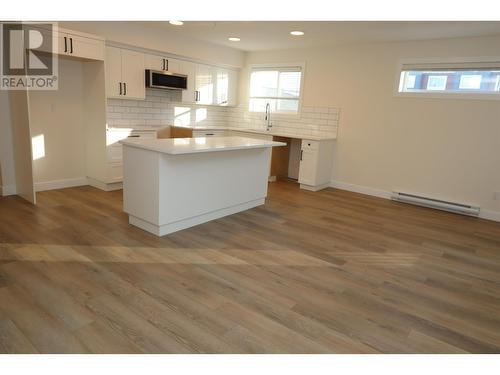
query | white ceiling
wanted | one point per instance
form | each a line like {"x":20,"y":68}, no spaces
{"x":267,"y":35}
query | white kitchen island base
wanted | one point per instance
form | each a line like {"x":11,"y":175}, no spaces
{"x":165,"y":229}
{"x":174,"y":184}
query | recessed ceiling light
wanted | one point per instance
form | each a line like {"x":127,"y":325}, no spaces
{"x":234,"y":39}
{"x":297,"y":32}
{"x":176,"y":23}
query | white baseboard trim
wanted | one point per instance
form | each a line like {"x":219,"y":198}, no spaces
{"x":61,"y":184}
{"x":490,"y":215}
{"x":105,"y":186}
{"x":483,"y":214}
{"x":361,"y":189}
{"x":8,"y":190}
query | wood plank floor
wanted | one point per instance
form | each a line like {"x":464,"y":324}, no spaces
{"x":325,"y":272}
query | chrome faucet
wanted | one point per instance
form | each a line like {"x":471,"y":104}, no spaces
{"x":268,"y":117}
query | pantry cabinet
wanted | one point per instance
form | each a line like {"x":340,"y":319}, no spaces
{"x":125,"y":78}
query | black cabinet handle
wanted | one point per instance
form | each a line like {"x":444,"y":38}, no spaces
{"x":163,"y":62}
{"x":301,"y":152}
{"x":120,"y":88}
{"x":125,"y":88}
{"x":70,"y":45}
{"x":167,"y":64}
{"x":209,"y":134}
{"x":65,"y":44}
{"x":133,"y":136}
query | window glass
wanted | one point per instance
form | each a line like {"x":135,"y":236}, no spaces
{"x":280,"y":87}
{"x":451,"y":81}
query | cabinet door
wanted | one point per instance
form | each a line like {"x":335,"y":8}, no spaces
{"x":189,"y":69}
{"x":204,"y":84}
{"x":221,"y":87}
{"x":113,"y":64}
{"x":153,"y":62}
{"x":161,"y":63}
{"x":57,"y":40}
{"x":133,"y":75}
{"x":307,"y":169}
{"x":172,"y":65}
{"x":86,"y":48}
{"x":62,"y":43}
{"x":232,"y":98}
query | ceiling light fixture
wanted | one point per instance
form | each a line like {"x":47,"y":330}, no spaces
{"x":176,"y":23}
{"x":234,"y":39}
{"x":297,"y":33}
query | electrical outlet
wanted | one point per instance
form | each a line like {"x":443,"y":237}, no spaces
{"x":496,"y":195}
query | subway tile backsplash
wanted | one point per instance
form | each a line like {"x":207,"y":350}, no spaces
{"x":162,"y":108}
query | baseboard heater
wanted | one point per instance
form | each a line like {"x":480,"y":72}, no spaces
{"x":458,"y":208}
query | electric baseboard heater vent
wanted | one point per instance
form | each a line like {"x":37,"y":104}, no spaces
{"x":458,"y":208}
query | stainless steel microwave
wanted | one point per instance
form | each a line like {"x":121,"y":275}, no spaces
{"x":166,"y":80}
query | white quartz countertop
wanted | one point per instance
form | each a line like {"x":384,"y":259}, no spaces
{"x":275,"y":132}
{"x":179,"y":146}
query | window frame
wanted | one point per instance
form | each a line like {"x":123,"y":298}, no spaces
{"x":439,"y":94}
{"x":300,"y":65}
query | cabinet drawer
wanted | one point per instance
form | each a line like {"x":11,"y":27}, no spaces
{"x":208,"y":133}
{"x":310,"y":145}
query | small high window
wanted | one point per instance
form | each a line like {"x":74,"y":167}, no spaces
{"x":482,"y":78}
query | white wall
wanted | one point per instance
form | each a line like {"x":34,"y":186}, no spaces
{"x":443,"y":148}
{"x":58,"y":117}
{"x":7,"y":172}
{"x":137,"y":34}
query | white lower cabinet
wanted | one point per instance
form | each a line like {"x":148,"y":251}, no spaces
{"x":114,"y":153}
{"x":316,"y":163}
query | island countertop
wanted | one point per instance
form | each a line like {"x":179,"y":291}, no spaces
{"x":179,"y":146}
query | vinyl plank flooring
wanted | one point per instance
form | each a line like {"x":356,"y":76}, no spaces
{"x":309,"y":272}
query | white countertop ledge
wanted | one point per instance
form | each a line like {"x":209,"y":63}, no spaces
{"x":180,"y":146}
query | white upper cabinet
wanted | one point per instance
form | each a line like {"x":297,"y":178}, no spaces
{"x":215,"y":86}
{"x":205,"y":84}
{"x":162,"y":63}
{"x":125,"y":77}
{"x":188,"y":68}
{"x":80,"y":46}
{"x":225,"y":87}
{"x":76,"y":44}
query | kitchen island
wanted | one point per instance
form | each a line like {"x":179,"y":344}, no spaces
{"x":173,"y":184}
